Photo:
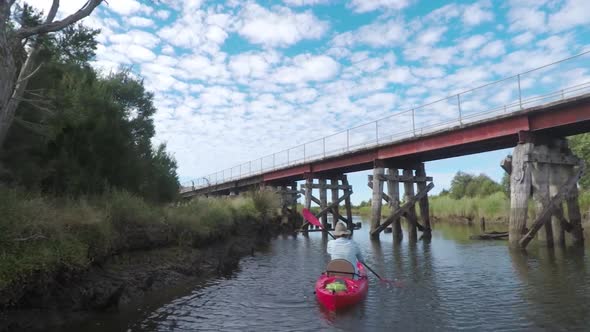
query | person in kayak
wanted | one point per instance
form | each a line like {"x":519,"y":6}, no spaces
{"x":343,"y":247}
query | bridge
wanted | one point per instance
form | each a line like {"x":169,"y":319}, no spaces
{"x":532,"y":111}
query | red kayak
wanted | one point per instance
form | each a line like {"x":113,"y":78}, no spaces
{"x":354,"y":291}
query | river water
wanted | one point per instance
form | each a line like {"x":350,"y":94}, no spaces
{"x":452,"y":283}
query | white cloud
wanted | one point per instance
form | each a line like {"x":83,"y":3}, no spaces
{"x":493,"y":49}
{"x":139,"y":37}
{"x":431,"y":36}
{"x":197,"y":29}
{"x":363,"y":6}
{"x":523,"y":38}
{"x":306,"y":68}
{"x":279,"y":26}
{"x":472,"y":43}
{"x":140,"y":21}
{"x":254,"y":65}
{"x":529,"y":19}
{"x":163,"y":14}
{"x":477,"y":14}
{"x":124,"y":7}
{"x":379,"y":34}
{"x":135,"y":52}
{"x":305,"y":2}
{"x":573,"y":13}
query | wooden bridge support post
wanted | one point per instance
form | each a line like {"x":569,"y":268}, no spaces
{"x":393,"y":193}
{"x":423,"y":203}
{"x":520,"y":187}
{"x":411,"y":215}
{"x":540,"y":183}
{"x":557,"y":177}
{"x":348,"y":205}
{"x":308,"y":195}
{"x":378,"y":173}
{"x":335,"y":212}
{"x":573,"y":210}
{"x":323,"y":202}
{"x":294,"y":213}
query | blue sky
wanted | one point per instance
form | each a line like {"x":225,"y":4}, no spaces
{"x":237,"y":80}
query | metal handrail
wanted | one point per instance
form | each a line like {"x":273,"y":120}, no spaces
{"x":256,"y":166}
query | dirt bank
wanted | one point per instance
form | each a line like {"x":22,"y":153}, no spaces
{"x":124,"y":279}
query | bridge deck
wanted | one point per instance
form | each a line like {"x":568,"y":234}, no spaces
{"x":565,"y":117}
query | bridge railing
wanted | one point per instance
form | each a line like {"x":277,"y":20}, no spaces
{"x":552,"y":82}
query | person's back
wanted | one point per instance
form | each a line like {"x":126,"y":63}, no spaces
{"x":343,"y":247}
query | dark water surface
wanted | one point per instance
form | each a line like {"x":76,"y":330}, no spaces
{"x":452,"y":283}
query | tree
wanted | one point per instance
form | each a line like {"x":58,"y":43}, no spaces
{"x":81,"y":133}
{"x":506,"y":184}
{"x":459,"y":184}
{"x":467,"y":185}
{"x":12,"y":40}
{"x":580,"y":145}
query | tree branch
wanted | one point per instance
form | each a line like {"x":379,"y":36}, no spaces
{"x":31,"y":74}
{"x":52,"y":11}
{"x":58,"y":25}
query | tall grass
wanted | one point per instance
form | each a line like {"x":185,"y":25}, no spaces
{"x":495,"y":206}
{"x":40,"y":235}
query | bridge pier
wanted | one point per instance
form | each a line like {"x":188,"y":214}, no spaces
{"x":328,"y":208}
{"x":408,"y":209}
{"x":548,"y":169}
{"x":289,"y":195}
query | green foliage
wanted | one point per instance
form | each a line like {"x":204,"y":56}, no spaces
{"x":467,"y":185}
{"x":80,"y":133}
{"x":506,"y":184}
{"x":41,"y":235}
{"x":491,"y":206}
{"x":580,"y":145}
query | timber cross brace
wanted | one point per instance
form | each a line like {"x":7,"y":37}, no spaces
{"x":289,"y":195}
{"x":548,"y":170}
{"x":553,"y":207}
{"x":337,"y":184}
{"x":392,"y":198}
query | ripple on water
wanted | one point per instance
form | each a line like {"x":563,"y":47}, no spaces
{"x":450,"y":284}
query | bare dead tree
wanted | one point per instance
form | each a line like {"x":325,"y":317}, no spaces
{"x":13,"y":85}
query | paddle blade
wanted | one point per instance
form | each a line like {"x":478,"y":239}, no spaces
{"x":311,"y":218}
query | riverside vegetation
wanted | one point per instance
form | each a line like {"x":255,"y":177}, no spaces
{"x":83,"y":189}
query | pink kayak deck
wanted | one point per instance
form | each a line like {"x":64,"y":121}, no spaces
{"x":356,"y":290}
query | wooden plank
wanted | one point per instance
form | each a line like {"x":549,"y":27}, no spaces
{"x":552,"y":158}
{"x":393,"y":200}
{"x":411,"y":213}
{"x":323,"y":203}
{"x":557,"y":177}
{"x":308,"y":197}
{"x":335,"y":212}
{"x":376,"y":201}
{"x":540,"y":184}
{"x":403,"y":178}
{"x":331,"y":186}
{"x":574,"y":215}
{"x":553,"y":203}
{"x":520,"y":187}
{"x":348,"y":205}
{"x":423,"y":204}
{"x":404,"y":208}
{"x":385,"y":196}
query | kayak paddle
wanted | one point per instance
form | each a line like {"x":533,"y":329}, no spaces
{"x":314,"y":221}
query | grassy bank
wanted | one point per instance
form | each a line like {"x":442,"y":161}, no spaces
{"x":42,"y":236}
{"x":494,"y":207}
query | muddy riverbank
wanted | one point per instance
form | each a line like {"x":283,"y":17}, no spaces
{"x":123,"y":280}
